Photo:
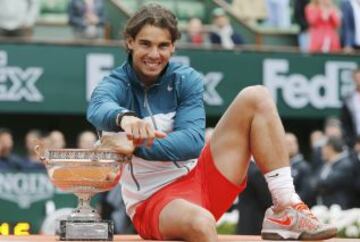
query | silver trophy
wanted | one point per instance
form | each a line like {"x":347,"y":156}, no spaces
{"x":84,"y":173}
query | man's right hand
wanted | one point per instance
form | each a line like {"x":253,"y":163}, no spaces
{"x":139,"y":131}
{"x":117,"y":142}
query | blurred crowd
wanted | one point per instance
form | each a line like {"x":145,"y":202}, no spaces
{"x":11,"y":161}
{"x":324,"y":25}
{"x":86,"y":17}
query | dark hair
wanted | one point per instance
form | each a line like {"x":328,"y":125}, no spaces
{"x":152,"y":14}
{"x":332,"y":122}
{"x":5,"y":131}
{"x":38,"y":133}
{"x":336,"y":143}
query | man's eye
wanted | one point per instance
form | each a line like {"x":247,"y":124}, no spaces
{"x":164,"y":46}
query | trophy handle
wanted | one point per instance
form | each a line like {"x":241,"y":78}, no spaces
{"x":39,"y":150}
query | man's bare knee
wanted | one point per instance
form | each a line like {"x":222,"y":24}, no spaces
{"x":188,"y":222}
{"x":258,"y":98}
{"x":255,"y":93}
{"x":201,"y":225}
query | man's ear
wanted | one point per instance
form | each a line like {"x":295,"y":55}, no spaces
{"x":130,"y":43}
{"x":173,"y":49}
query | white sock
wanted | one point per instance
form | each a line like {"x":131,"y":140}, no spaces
{"x":281,"y":186}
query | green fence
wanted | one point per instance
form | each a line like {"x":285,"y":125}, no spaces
{"x":58,"y":79}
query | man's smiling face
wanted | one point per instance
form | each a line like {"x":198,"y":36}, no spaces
{"x":151,"y":50}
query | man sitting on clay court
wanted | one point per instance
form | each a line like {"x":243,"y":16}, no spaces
{"x":158,"y":104}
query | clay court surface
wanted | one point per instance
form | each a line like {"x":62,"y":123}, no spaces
{"x":131,"y":238}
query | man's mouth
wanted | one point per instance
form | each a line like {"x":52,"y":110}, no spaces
{"x":152,"y":64}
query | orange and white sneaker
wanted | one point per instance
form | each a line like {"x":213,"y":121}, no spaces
{"x":294,"y":223}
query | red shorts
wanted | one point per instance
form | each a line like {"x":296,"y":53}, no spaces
{"x":204,"y":186}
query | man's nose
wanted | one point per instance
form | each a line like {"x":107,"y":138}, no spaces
{"x":154,"y":53}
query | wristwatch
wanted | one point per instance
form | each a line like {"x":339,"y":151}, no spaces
{"x":120,"y":115}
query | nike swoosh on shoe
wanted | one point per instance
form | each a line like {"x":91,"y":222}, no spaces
{"x":285,"y":221}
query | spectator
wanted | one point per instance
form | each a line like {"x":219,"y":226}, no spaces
{"x":87,"y":18}
{"x":56,"y":140}
{"x":324,"y":20}
{"x":334,"y":180}
{"x":86,"y":140}
{"x":33,"y":138}
{"x":250,"y":11}
{"x":316,"y":139}
{"x":8,"y":160}
{"x":300,"y":169}
{"x":222,"y":32}
{"x":279,"y":13}
{"x":350,"y":28}
{"x":300,"y":19}
{"x":17,"y":18}
{"x":195,"y":32}
{"x":332,"y":128}
{"x":350,"y":112}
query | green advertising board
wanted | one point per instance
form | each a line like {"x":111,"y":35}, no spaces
{"x":58,"y":79}
{"x":29,"y":203}
{"x":30,"y":200}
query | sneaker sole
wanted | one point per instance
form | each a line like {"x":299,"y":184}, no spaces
{"x":287,"y":235}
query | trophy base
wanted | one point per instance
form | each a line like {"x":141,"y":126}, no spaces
{"x":86,"y":230}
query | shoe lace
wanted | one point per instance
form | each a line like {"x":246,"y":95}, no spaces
{"x":302,"y":207}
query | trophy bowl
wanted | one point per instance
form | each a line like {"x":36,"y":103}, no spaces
{"x":84,"y":173}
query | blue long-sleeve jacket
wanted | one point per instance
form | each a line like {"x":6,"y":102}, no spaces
{"x":173,"y":104}
{"x":177,"y":94}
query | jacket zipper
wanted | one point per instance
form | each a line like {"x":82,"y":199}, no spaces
{"x":147,"y":106}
